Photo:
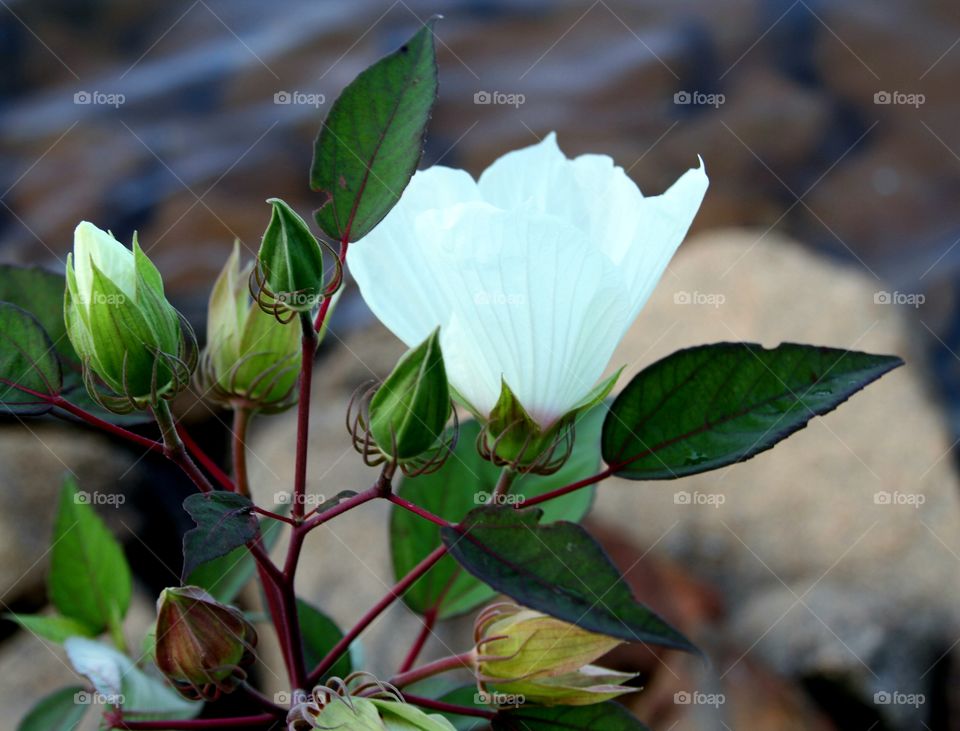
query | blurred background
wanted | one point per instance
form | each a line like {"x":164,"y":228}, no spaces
{"x":822,"y":578}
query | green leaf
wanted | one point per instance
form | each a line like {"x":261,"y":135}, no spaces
{"x":39,"y":292}
{"x":372,"y":140}
{"x":409,"y":411}
{"x":51,"y":627}
{"x":465,"y":481}
{"x":320,"y":634}
{"x":713,"y":405}
{"x":465,"y":696}
{"x":225,"y":521}
{"x":116,"y":677}
{"x":606,"y":716}
{"x":28,"y":360}
{"x":557,"y":569}
{"x":58,"y":711}
{"x":89,"y":576}
{"x":224,"y":577}
{"x":291,"y":259}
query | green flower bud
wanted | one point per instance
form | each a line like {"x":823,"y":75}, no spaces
{"x":409,"y":411}
{"x":534,"y":658}
{"x":290,"y":263}
{"x":120,"y":323}
{"x":202,"y":646}
{"x":512,"y":438}
{"x":250,"y":358}
{"x":325,"y":710}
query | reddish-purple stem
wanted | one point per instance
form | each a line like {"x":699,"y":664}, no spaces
{"x":417,"y":510}
{"x":434,"y":705}
{"x":204,"y":459}
{"x":375,"y":611}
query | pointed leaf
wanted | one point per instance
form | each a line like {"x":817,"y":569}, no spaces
{"x":59,"y":711}
{"x":89,"y":577}
{"x":320,"y":634}
{"x":372,"y":140}
{"x":558,"y":569}
{"x":464,"y":482}
{"x":225,"y":521}
{"x":51,"y":627}
{"x":713,"y":405}
{"x":28,"y":362}
{"x":224,"y":577}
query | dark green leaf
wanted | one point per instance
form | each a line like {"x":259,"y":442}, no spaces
{"x":602,"y":717}
{"x":713,"y":405}
{"x":465,"y":696}
{"x":225,"y":521}
{"x":89,"y":577}
{"x":28,"y":361}
{"x":320,"y":634}
{"x":557,"y":569}
{"x":464,"y":482}
{"x":58,"y":711}
{"x":51,"y":627}
{"x":372,"y":140}
{"x":224,"y":577}
{"x":409,"y":411}
{"x":39,"y":292}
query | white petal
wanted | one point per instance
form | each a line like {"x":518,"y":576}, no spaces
{"x":387,"y":264}
{"x":111,"y":257}
{"x":595,"y":195}
{"x":659,"y":224}
{"x":518,"y":295}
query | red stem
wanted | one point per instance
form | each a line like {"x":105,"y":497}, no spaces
{"x":375,"y":611}
{"x":560,"y":491}
{"x":308,"y":344}
{"x":429,"y":620}
{"x":204,"y":459}
{"x":117,"y":431}
{"x":443,"y":665}
{"x":433,"y":705}
{"x":417,"y":510}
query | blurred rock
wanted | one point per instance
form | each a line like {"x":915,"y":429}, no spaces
{"x":837,"y":551}
{"x":35,"y":457}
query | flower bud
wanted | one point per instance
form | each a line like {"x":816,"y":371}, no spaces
{"x":120,"y":323}
{"x":327,"y":710}
{"x":409,"y":411}
{"x":512,"y":438}
{"x":290,"y":263}
{"x":202,"y":646}
{"x":525,"y":654}
{"x":250,"y":357}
